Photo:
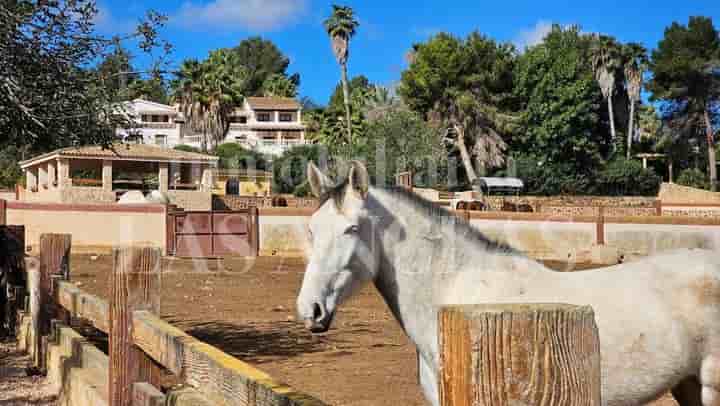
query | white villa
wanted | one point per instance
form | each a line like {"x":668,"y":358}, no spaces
{"x":269,"y":125}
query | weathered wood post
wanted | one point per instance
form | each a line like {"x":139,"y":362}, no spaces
{"x":33,"y":286}
{"x":54,"y":265}
{"x":519,"y":354}
{"x":3,"y":212}
{"x":135,"y":285}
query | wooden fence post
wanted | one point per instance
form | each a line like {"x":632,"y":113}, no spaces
{"x":33,"y":286}
{"x":3,"y":212}
{"x":54,"y":264}
{"x":135,"y":286}
{"x":519,"y":354}
{"x":600,"y":226}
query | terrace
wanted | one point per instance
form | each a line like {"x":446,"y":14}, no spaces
{"x":96,"y":175}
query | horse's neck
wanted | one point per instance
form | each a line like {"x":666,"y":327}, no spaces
{"x":416,"y":250}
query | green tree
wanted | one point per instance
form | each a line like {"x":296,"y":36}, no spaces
{"x":208,"y":93}
{"x":560,"y":101}
{"x":606,"y":62}
{"x":261,"y":59}
{"x":234,"y":156}
{"x":686,"y":77}
{"x":466,"y":85}
{"x":278,"y":85}
{"x":337,"y":101}
{"x":635,"y":63}
{"x":341,"y":27}
{"x":50,"y":93}
{"x":289,"y":169}
{"x":401,"y":140}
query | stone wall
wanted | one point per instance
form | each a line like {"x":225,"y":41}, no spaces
{"x":191,"y":199}
{"x":672,"y":193}
{"x":7,"y":195}
{"x":83,"y":195}
{"x":229,"y":202}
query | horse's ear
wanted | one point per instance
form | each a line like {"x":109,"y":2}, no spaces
{"x":319,"y":183}
{"x":358,"y":178}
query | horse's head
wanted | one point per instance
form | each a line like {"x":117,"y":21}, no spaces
{"x":341,"y":234}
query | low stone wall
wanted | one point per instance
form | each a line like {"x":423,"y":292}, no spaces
{"x":230,"y":202}
{"x":191,"y":199}
{"x":86,"y":194}
{"x":691,"y":210}
{"x":673,"y":193}
{"x":592,"y":238}
{"x":94,"y":227}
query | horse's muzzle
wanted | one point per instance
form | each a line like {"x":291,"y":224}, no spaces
{"x":316,"y":326}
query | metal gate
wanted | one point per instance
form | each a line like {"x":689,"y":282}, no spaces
{"x":202,"y":234}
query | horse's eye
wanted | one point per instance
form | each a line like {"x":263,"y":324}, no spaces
{"x":352,"y":230}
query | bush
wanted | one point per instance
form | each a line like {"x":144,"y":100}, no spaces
{"x":618,"y":178}
{"x":234,"y":156}
{"x":289,"y":170}
{"x":187,"y":148}
{"x":694,"y":178}
{"x":627,"y":178}
{"x":10,"y":172}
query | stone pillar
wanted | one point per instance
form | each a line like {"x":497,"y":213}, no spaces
{"x":63,"y":174}
{"x":31,"y":179}
{"x":42,"y":177}
{"x":644,"y":163}
{"x":207,"y":181}
{"x":107,"y":175}
{"x":52,"y":175}
{"x":163,"y":177}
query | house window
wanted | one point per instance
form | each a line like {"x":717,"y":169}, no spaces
{"x":160,"y":118}
{"x":161,"y":139}
{"x":286,"y":117}
{"x":263,"y":116}
{"x":238,"y":119}
{"x":145,"y":118}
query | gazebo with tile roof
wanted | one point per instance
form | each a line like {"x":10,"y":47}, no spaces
{"x":94,"y":174}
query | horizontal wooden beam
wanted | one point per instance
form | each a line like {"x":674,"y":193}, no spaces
{"x":84,"y":305}
{"x":220,"y":377}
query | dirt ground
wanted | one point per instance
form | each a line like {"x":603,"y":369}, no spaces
{"x":16,"y":387}
{"x":247,"y":309}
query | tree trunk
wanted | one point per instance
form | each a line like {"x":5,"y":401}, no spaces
{"x":612,"y":117}
{"x":630,"y":129}
{"x":346,"y":97}
{"x":465,"y":155}
{"x":711,"y":152}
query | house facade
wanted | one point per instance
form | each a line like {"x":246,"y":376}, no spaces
{"x":269,"y":125}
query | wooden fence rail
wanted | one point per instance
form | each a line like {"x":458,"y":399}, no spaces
{"x":140,"y":343}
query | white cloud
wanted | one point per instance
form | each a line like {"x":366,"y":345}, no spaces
{"x":533,"y":36}
{"x":259,"y":15}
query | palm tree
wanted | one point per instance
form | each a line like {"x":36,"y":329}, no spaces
{"x":605,"y":63}
{"x":636,"y":63}
{"x":208,"y":92}
{"x":341,"y":26}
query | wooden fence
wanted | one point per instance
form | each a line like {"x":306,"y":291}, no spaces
{"x":141,"y":345}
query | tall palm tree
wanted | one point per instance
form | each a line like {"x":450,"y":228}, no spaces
{"x":208,"y":92}
{"x":341,"y":26}
{"x":605,"y":59}
{"x":635,"y":65}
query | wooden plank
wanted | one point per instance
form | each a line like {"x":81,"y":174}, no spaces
{"x":54,"y":260}
{"x":135,"y":286}
{"x":519,"y":354}
{"x":85,"y":306}
{"x":3,"y":212}
{"x":219,"y":377}
{"x":144,"y":394}
{"x":33,"y":283}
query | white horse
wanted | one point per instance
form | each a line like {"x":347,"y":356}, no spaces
{"x":658,"y":318}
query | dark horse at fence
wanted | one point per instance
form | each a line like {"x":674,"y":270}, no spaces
{"x":11,"y":274}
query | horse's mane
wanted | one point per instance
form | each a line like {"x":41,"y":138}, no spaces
{"x":433,"y":211}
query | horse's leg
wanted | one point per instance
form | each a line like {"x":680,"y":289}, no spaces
{"x":687,"y":392}
{"x":428,"y":381}
{"x":710,"y":381}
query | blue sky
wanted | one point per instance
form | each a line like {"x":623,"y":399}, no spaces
{"x":389,"y":28}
